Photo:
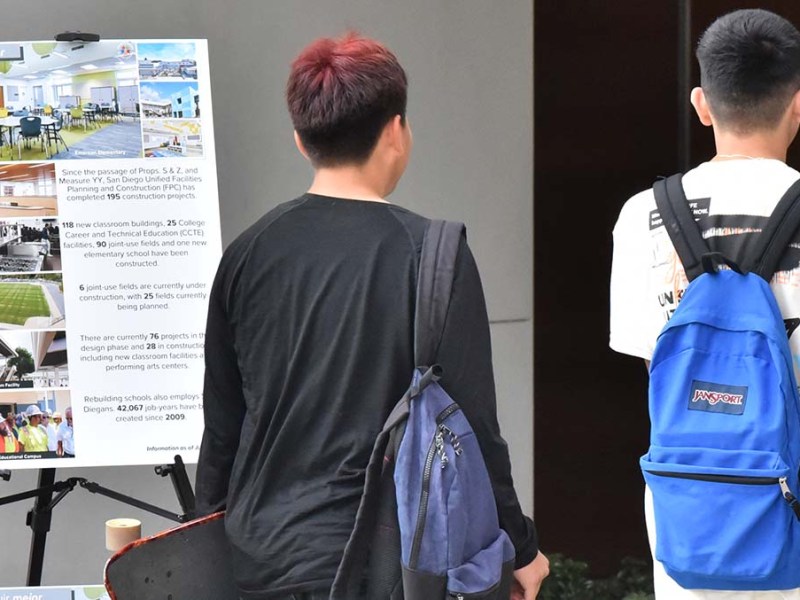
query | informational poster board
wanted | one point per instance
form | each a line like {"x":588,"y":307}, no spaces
{"x":109,"y":240}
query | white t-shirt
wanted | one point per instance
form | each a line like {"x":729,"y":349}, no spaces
{"x":65,"y":436}
{"x":52,"y":443}
{"x":733,"y":199}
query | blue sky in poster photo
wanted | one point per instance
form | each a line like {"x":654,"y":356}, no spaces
{"x":161,"y":91}
{"x":165,"y":51}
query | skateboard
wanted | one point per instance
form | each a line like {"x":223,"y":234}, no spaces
{"x":188,"y":562}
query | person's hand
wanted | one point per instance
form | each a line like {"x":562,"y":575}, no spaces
{"x":528,"y":579}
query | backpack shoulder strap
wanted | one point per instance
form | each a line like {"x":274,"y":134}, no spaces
{"x":777,"y":234}
{"x":680,"y":224}
{"x":372,"y":556}
{"x":434,"y":284}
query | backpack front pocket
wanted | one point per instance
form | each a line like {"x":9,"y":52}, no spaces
{"x":718,"y":513}
{"x":485,"y":576}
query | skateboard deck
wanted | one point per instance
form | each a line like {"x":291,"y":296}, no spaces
{"x":188,"y":562}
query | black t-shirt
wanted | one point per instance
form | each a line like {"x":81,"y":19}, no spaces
{"x":309,"y":345}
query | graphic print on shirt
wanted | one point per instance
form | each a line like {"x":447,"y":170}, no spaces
{"x":732,"y":235}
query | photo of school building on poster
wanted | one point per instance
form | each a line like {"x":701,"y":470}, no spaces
{"x":168,"y":61}
{"x":68,"y":100}
{"x":179,"y":100}
{"x":33,"y":359}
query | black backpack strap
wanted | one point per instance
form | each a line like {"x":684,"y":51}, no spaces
{"x":434,"y":284}
{"x":777,"y":233}
{"x":371,"y":564}
{"x":680,"y":224}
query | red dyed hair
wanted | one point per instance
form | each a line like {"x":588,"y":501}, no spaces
{"x":341,"y":93}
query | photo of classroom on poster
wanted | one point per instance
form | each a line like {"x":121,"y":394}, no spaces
{"x":28,"y":190}
{"x":69,"y":100}
{"x":172,"y":138}
{"x":48,"y":411}
{"x":29,"y":245}
{"x":33,"y":359}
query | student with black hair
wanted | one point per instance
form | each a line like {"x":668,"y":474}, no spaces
{"x":750,"y":96}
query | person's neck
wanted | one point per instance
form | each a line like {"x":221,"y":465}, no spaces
{"x":766,"y":145}
{"x":349,"y":182}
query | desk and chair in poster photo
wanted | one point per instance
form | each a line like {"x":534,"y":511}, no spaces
{"x":65,"y":100}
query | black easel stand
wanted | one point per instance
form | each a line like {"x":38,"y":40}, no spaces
{"x":40,"y":516}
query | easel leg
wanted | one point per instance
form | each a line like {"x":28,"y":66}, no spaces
{"x":39,"y":521}
{"x":181,"y":483}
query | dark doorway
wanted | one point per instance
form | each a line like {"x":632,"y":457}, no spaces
{"x":606,"y":124}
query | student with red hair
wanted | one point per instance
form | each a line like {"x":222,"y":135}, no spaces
{"x":309,"y":341}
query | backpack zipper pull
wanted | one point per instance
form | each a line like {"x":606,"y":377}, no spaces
{"x":790,"y":498}
{"x":454,"y":441}
{"x":438,"y":441}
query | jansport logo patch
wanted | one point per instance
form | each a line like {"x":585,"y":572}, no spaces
{"x":713,"y":397}
{"x":717,"y":397}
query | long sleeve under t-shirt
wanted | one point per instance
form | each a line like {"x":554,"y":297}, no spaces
{"x":309,"y":345}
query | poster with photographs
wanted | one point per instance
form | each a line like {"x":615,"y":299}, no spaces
{"x":109,"y":240}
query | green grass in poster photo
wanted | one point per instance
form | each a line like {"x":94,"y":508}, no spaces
{"x":20,"y":301}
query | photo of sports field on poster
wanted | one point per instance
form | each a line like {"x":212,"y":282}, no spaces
{"x":32,"y":301}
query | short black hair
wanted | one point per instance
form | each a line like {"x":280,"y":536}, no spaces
{"x":749,"y":68}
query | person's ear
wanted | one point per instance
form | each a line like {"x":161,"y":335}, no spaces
{"x":394,"y":132}
{"x":795,"y":107}
{"x":299,"y":143}
{"x":698,"y":99}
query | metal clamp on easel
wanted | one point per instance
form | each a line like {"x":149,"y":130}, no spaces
{"x":77,"y":36}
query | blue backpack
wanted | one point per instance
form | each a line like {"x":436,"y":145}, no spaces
{"x":427,"y":526}
{"x":725,"y":415}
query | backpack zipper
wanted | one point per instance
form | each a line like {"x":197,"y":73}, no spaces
{"x":482,"y":594}
{"x":437,"y":446}
{"x":786,"y":493}
{"x":449,"y":410}
{"x":741,"y":479}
